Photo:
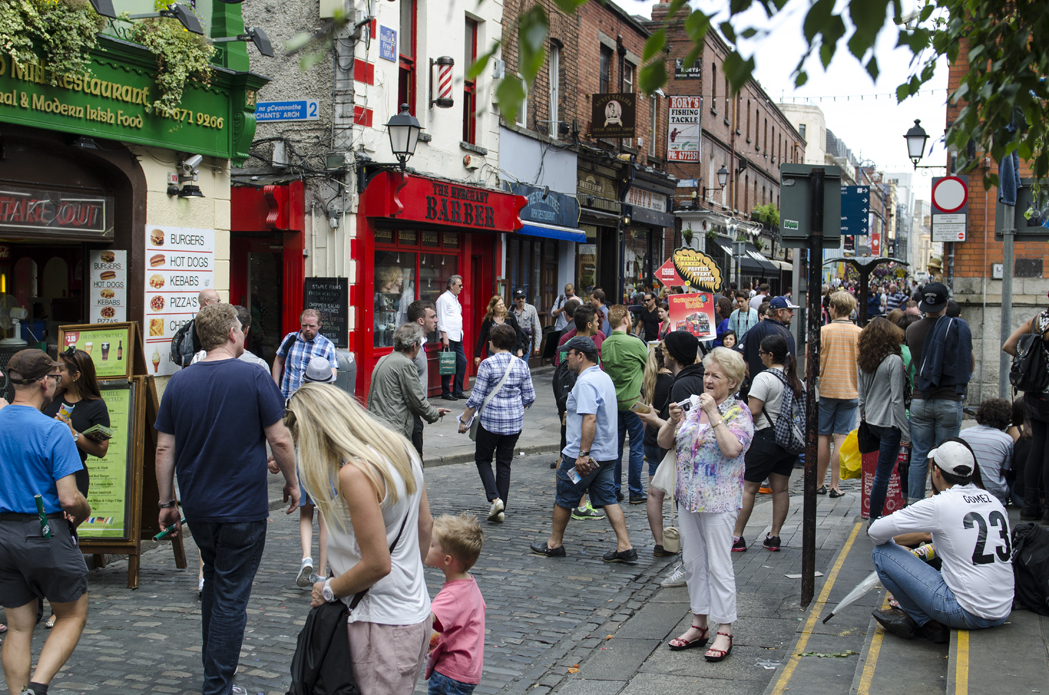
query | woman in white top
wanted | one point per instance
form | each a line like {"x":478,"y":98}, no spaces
{"x":766,"y":459}
{"x":368,"y":483}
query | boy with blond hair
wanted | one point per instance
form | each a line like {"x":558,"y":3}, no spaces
{"x":456,"y":660}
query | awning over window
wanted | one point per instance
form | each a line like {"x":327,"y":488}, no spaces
{"x":549,"y":231}
{"x":753,"y":262}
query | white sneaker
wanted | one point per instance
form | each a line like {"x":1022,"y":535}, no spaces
{"x":237,"y":690}
{"x":305,"y":570}
{"x":314,"y":578}
{"x":493,"y":511}
{"x":500,"y":517}
{"x":675,"y":578}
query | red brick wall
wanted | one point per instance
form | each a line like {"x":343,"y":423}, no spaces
{"x":577,"y":36}
{"x":772,"y":139}
{"x":970,"y":258}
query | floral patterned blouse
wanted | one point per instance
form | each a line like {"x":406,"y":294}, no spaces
{"x":706,"y":480}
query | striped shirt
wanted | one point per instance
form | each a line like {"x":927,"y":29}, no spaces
{"x":839,"y":343}
{"x":298,"y":357}
{"x":505,"y":413}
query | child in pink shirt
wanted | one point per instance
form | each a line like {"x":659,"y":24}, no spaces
{"x":455,"y":661}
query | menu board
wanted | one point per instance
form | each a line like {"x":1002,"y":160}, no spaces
{"x":108,"y":493}
{"x":107,"y":294}
{"x":330,"y":297}
{"x":109,"y":347}
{"x":180,"y":263}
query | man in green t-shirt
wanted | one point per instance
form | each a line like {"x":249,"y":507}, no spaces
{"x":623,"y":357}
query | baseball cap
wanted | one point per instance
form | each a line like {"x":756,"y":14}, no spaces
{"x":934,"y":297}
{"x":682,"y":346}
{"x":955,"y":457}
{"x":26,"y":366}
{"x":519,"y":294}
{"x":318,"y":371}
{"x":581,"y":343}
{"x":782,"y":303}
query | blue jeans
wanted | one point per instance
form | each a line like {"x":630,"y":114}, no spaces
{"x":654,"y":455}
{"x":443,"y":685}
{"x":231,"y":554}
{"x":932,"y":421}
{"x":629,"y":421}
{"x":921,"y":591}
{"x":460,"y":371}
{"x":887,"y":454}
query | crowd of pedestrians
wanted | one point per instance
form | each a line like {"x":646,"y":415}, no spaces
{"x":714,"y":422}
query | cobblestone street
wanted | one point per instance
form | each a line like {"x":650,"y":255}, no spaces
{"x":544,"y":615}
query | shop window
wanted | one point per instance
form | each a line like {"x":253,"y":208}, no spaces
{"x":555,"y":89}
{"x":586,"y":268}
{"x":628,"y":88}
{"x":394,"y":291}
{"x":636,"y":277}
{"x":434,"y":271}
{"x":406,"y":80}
{"x":605,"y":70}
{"x":470,"y":86}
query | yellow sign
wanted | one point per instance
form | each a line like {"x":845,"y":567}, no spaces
{"x":698,"y":269}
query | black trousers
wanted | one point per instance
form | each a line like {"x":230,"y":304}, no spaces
{"x":417,"y":435}
{"x":447,"y":384}
{"x":1036,"y":472}
{"x":502,"y":446}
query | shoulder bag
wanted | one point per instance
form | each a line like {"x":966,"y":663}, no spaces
{"x":477,"y":416}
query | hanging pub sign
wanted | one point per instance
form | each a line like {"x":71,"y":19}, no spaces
{"x":697,"y":269}
{"x":613,"y":115}
{"x":55,"y":213}
{"x":694,"y":72}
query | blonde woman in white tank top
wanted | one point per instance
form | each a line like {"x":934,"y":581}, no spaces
{"x":368,"y":483}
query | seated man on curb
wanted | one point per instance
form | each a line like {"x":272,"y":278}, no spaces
{"x":970,"y":531}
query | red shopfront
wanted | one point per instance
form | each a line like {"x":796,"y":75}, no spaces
{"x":414,"y":233}
{"x":266,"y":262}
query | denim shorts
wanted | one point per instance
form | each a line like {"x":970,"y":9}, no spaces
{"x":837,"y":415}
{"x":599,"y":483}
{"x":441,"y":684}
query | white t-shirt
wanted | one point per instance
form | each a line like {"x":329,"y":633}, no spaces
{"x":401,"y":597}
{"x":970,"y":530}
{"x":769,"y":389}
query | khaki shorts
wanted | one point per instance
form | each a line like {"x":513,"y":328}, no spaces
{"x":388,"y":659}
{"x":33,"y":567}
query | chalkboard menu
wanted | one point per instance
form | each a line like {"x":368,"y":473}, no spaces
{"x":331,"y":298}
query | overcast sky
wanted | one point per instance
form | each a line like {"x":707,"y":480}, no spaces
{"x":871,"y":127}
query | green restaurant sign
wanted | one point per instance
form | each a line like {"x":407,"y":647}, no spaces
{"x":114,"y":99}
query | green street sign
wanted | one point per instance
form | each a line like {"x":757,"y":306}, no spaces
{"x":113,"y":100}
{"x":795,"y":205}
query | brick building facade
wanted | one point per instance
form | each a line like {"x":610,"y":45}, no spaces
{"x":623,"y":190}
{"x":974,"y":259}
{"x":748,"y":135}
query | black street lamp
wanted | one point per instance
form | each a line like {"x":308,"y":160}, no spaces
{"x":916,"y":138}
{"x":404,"y":131}
{"x":722,"y":181}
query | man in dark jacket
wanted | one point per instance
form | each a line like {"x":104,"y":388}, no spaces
{"x":777,"y":320}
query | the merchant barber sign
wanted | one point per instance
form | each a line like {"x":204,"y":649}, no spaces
{"x":421,"y":199}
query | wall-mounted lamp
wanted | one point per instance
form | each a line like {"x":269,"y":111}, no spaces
{"x":404,"y":131}
{"x":722,"y":181}
{"x":255,"y":34}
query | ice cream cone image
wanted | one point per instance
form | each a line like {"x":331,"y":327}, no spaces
{"x":156,"y":360}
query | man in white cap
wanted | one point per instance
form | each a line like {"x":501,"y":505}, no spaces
{"x":970,"y":534}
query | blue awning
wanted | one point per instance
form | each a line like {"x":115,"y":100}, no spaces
{"x":550,"y":231}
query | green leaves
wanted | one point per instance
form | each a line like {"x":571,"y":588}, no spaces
{"x":510,"y":94}
{"x":481,"y":63}
{"x":654,"y":45}
{"x":532,"y":31}
{"x":737,"y":70}
{"x":652,"y":77}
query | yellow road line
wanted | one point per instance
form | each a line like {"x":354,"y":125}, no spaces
{"x":961,"y":673}
{"x":814,"y":614}
{"x":872,"y":656}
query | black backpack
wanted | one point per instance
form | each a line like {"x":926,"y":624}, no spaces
{"x":1029,"y":371}
{"x":564,"y":382}
{"x":321,"y":664}
{"x":1031,"y":567}
{"x":185,"y":344}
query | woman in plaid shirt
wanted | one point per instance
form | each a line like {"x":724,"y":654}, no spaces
{"x":502,"y":416}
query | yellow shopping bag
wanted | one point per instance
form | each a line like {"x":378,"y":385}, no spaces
{"x":849,"y":455}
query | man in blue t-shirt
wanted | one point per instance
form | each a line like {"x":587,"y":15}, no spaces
{"x":589,"y":458}
{"x":38,"y":558}
{"x":213,"y":425}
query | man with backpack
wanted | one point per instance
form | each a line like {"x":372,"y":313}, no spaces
{"x":942,"y":353}
{"x":186,"y":344}
{"x":777,"y":321}
{"x":970,"y":534}
{"x":296,"y":351}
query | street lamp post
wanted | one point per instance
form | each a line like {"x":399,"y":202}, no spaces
{"x":916,"y":138}
{"x":404,"y":131}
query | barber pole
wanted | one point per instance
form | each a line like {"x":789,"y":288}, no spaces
{"x":441,"y":76}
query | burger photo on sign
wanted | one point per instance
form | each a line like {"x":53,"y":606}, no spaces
{"x":156,"y":237}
